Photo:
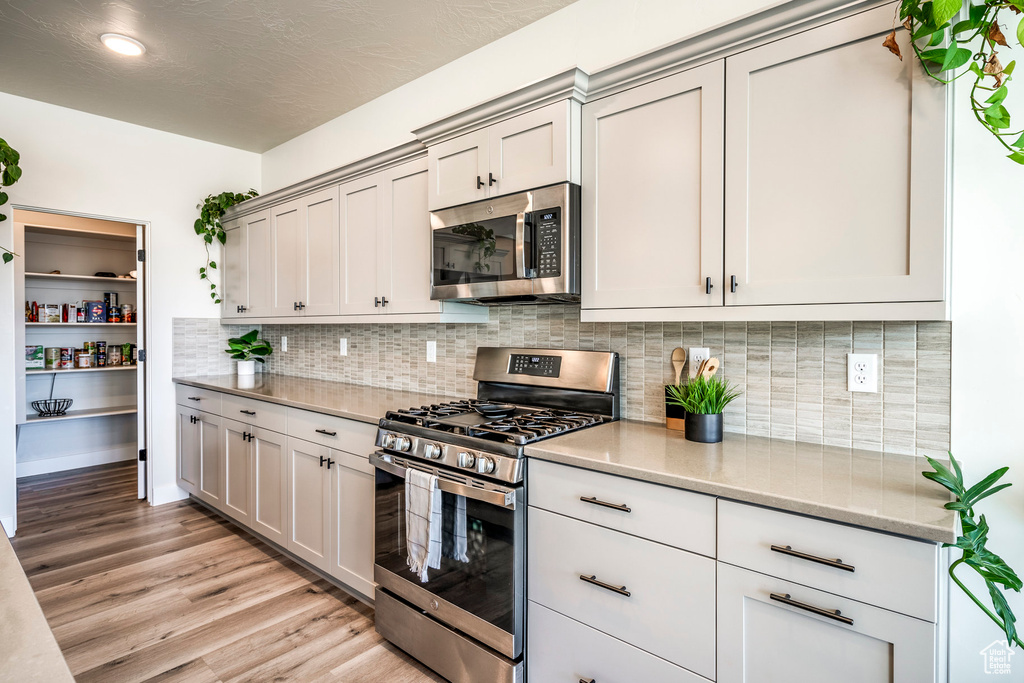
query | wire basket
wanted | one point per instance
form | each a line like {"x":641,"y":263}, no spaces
{"x":52,"y":407}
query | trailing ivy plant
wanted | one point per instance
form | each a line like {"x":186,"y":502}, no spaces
{"x":209,"y":228}
{"x":998,"y":576}
{"x":9,"y":174}
{"x":949,"y":51}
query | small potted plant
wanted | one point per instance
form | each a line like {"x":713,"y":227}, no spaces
{"x":248,"y":350}
{"x":703,"y":398}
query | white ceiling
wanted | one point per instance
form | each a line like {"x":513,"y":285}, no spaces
{"x":246,"y":73}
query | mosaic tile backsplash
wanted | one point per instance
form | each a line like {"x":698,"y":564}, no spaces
{"x":793,"y":375}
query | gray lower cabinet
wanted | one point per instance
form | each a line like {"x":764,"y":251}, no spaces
{"x":774,"y":631}
{"x":306,"y":494}
{"x":309,"y":495}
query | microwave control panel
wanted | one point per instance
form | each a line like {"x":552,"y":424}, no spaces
{"x":538,"y":366}
{"x":548,"y":231}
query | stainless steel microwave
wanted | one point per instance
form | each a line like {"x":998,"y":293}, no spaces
{"x":520,"y":248}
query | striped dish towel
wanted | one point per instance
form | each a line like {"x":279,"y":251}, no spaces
{"x":453,"y":528}
{"x":422,"y":522}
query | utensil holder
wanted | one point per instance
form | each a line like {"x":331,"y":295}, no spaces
{"x":675,"y":415}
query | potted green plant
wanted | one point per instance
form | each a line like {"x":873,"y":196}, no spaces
{"x":703,"y":398}
{"x":248,"y":350}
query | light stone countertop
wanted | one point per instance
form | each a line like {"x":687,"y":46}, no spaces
{"x":351,"y":401}
{"x":29,"y":652}
{"x":879,"y":491}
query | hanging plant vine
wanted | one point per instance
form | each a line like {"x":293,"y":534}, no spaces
{"x":945,"y":49}
{"x":10,"y":172}
{"x":209,"y":228}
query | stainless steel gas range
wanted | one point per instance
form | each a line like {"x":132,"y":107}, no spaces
{"x":466,"y":621}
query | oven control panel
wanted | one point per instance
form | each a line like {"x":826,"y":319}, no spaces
{"x":548,"y":230}
{"x":538,"y":366}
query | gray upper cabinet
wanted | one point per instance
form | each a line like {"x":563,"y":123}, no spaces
{"x":362,"y":213}
{"x":307,"y":258}
{"x":652,"y":198}
{"x":835,"y":170}
{"x":246,"y":252}
{"x":404,"y":275}
{"x":539,"y":147}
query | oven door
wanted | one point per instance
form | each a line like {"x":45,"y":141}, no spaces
{"x":480,"y":594}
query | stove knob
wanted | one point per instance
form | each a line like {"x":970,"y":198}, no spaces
{"x":432,"y":451}
{"x":388,"y":441}
{"x":466,"y":460}
{"x":484,"y":465}
{"x":402,"y":443}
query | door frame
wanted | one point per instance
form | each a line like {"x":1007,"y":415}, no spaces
{"x":145,"y":395}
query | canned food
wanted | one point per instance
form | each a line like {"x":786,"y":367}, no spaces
{"x":51,"y":358}
{"x":126,"y":353}
{"x":114,"y":314}
{"x":83,"y":359}
{"x":101,"y":359}
{"x":114,"y":355}
{"x":128,"y":313}
{"x":110,"y":299}
{"x":89,"y":346}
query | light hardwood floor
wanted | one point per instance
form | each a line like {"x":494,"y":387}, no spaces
{"x":176,"y":593}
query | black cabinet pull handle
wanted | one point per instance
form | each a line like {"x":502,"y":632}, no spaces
{"x":479,"y":183}
{"x":837,"y":563}
{"x":383,"y":301}
{"x":322,"y":459}
{"x":295,"y":305}
{"x":834,"y":614}
{"x":326,"y":433}
{"x":491,"y":179}
{"x":329,"y":463}
{"x":592,"y":579}
{"x":733,"y":284}
{"x":194,"y":398}
{"x":245,"y":436}
{"x":587,"y":680}
{"x":614,"y":506}
{"x":708,"y":286}
{"x":248,"y":412}
{"x":302,"y":306}
{"x":376,"y":301}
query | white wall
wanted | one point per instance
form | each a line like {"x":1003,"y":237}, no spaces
{"x":988,"y":357}
{"x":591,"y":34}
{"x":88,"y":164}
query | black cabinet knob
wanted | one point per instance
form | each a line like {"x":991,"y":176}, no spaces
{"x":479,"y":182}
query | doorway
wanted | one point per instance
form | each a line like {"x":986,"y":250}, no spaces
{"x":82,"y":390}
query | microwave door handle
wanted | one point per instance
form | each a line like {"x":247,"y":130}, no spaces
{"x":521,"y":246}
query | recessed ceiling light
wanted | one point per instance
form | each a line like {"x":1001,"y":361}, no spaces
{"x":123,"y":44}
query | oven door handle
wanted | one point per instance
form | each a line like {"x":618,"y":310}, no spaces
{"x":498,"y":498}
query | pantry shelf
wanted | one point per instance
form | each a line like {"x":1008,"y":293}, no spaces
{"x":83,"y":414}
{"x":78,"y":278}
{"x":108,"y":368}
{"x":80,"y":324}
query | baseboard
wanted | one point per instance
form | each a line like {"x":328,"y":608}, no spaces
{"x":30,"y":468}
{"x":9,"y":526}
{"x":167,"y":494}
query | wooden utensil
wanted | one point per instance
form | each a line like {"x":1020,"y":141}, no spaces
{"x":678,"y":361}
{"x":709,"y":367}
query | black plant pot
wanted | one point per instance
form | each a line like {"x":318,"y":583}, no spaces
{"x":675,"y":416}
{"x":704,"y":428}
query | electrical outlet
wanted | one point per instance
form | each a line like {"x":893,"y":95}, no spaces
{"x":284,"y":344}
{"x":431,"y":351}
{"x":862,"y":372}
{"x":343,"y":347}
{"x":698,"y":356}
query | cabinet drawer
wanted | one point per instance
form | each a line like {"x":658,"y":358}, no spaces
{"x":200,"y":399}
{"x":562,"y":650}
{"x":678,"y":518}
{"x":670,"y":609}
{"x":257,"y":413}
{"x":887,"y":571}
{"x":335,"y":432}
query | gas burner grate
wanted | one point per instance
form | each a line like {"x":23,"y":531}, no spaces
{"x":534,"y":426}
{"x":424,"y":416}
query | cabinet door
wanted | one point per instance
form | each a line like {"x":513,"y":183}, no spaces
{"x":287,"y":248}
{"x":260,"y":264}
{"x":211,"y":479}
{"x":457,"y":171}
{"x":652,"y":212}
{"x":269,"y":481}
{"x":352,"y":497}
{"x":362,"y":204}
{"x":530,"y":150}
{"x":237,"y":454}
{"x":835,"y":170}
{"x":233,"y":271}
{"x":309,"y":496}
{"x":405,"y":270}
{"x":321,"y":257}
{"x":763,"y":640}
{"x":188,"y":450}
